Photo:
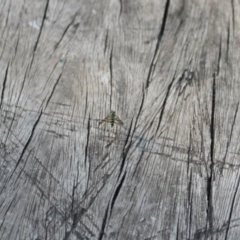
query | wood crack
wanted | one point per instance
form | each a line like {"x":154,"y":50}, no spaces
{"x":20,"y":93}
{"x":66,"y":30}
{"x":139,"y":112}
{"x":102,"y":230}
{"x":86,"y":152}
{"x":125,"y":150}
{"x":6,"y":22}
{"x":121,"y":6}
{"x":106,"y":42}
{"x":189,"y":154}
{"x":17,"y":42}
{"x":4,"y":85}
{"x":51,"y":94}
{"x":41,"y":28}
{"x":27,"y":143}
{"x":38,"y":37}
{"x":152,"y":65}
{"x":111,"y":76}
{"x":211,"y":167}
{"x":219,"y":56}
{"x":164,"y":105}
{"x":228,"y":42}
{"x":108,"y":211}
{"x":190,"y":205}
{"x":116,"y":192}
{"x":230,"y":137}
{"x":140,"y":107}
{"x":231,"y":209}
{"x":233,"y":14}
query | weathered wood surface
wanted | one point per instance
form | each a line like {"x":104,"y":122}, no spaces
{"x":170,"y":70}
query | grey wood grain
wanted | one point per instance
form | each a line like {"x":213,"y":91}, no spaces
{"x":170,"y":71}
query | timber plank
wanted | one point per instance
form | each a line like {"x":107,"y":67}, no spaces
{"x":170,"y":71}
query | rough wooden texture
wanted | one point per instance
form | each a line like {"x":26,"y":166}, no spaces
{"x":170,"y":70}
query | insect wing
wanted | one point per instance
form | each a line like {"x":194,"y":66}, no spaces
{"x":117,"y":120}
{"x":107,"y":119}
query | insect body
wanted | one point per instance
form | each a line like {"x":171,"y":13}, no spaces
{"x":112,"y":118}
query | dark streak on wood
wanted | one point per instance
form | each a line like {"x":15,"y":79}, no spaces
{"x":121,"y":6}
{"x":228,"y":43}
{"x":219,"y":56}
{"x":231,"y":209}
{"x":230,"y":137}
{"x":164,"y":104}
{"x":233,"y":15}
{"x":212,"y":162}
{"x":86,"y":151}
{"x":27,"y":144}
{"x":40,"y":30}
{"x":126,"y":148}
{"x":111,"y":77}
{"x":160,"y":35}
{"x":4,"y":85}
{"x":67,"y":28}
{"x":53,"y":89}
{"x":106,"y":42}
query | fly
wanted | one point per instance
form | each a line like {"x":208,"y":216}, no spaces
{"x":112,"y":118}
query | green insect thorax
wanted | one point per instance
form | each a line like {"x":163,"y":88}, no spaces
{"x":112,"y":117}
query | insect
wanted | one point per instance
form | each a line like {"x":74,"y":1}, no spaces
{"x":112,"y":118}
